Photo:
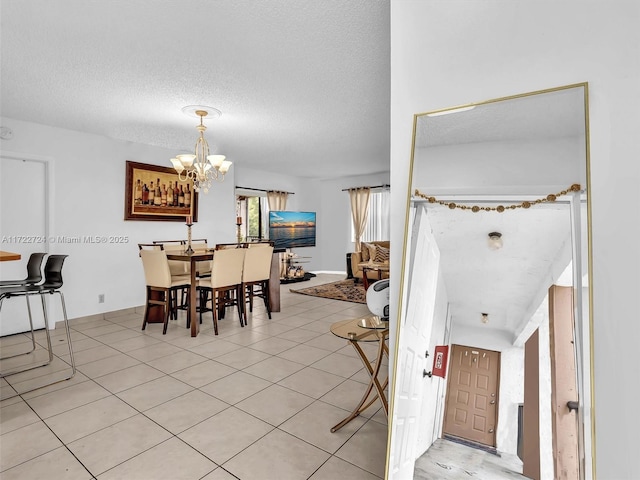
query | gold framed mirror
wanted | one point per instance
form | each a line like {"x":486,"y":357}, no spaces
{"x":496,"y":280}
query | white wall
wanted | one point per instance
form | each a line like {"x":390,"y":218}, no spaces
{"x":450,"y":53}
{"x":522,"y":167}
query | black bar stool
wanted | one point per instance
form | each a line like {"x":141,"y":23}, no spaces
{"x":34,"y":275}
{"x":51,"y":285}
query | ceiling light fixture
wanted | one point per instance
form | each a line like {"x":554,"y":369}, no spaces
{"x":201,"y":167}
{"x":485,"y":318}
{"x":495,"y":241}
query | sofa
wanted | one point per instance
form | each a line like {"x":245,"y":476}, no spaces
{"x":380,"y":252}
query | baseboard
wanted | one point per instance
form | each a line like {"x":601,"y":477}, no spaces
{"x":472,"y":444}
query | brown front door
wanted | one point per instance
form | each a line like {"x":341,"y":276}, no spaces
{"x":472,"y":394}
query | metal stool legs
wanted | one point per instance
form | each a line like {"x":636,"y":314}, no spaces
{"x":49,"y":346}
{"x":33,"y":337}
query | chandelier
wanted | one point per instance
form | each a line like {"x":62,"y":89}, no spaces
{"x":201,"y":167}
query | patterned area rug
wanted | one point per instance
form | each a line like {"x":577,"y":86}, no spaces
{"x":344,"y":290}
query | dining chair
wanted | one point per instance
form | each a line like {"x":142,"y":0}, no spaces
{"x":224,"y":285}
{"x":179,"y":271}
{"x":177,"y":267}
{"x":52,"y":284}
{"x":34,"y":275}
{"x":162,"y":287}
{"x":255,"y":275}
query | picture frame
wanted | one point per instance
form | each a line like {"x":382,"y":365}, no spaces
{"x":141,"y":204}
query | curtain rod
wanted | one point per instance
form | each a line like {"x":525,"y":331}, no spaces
{"x":263,"y":190}
{"x":376,"y":186}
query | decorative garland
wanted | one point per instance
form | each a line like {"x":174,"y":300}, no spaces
{"x":500,"y":208}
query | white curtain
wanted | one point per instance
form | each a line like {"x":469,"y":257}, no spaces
{"x":378,"y":227}
{"x":359,"y":211}
{"x":277,"y":200}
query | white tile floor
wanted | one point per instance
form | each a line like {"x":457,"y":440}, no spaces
{"x":251,"y":403}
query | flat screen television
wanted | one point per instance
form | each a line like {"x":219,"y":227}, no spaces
{"x":292,"y":229}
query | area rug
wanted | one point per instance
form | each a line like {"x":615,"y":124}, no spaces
{"x":344,"y":290}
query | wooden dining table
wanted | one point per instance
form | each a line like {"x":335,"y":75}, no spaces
{"x":8,"y":256}
{"x":192,"y":258}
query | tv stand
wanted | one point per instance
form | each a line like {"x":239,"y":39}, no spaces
{"x":305,"y":277}
{"x":293,"y":271}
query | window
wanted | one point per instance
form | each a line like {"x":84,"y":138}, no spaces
{"x":254,"y":211}
{"x":378,"y":219}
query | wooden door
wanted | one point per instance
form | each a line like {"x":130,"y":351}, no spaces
{"x":472,"y":394}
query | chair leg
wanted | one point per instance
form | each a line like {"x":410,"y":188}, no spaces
{"x":173,"y":304}
{"x":167,"y":310}
{"x":240,"y":304}
{"x":265,"y":297}
{"x":33,"y":337}
{"x":146,"y":309}
{"x":214,"y":310}
{"x":68,"y":332}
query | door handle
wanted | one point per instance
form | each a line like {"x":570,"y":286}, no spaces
{"x":492,"y":402}
{"x":573,"y":405}
{"x":426,"y":374}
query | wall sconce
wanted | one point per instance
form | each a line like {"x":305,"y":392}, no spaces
{"x":495,"y":241}
{"x":485,"y":318}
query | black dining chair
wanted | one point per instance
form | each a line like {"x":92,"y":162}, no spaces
{"x":52,"y":284}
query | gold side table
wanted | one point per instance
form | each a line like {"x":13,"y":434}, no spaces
{"x":366,"y":329}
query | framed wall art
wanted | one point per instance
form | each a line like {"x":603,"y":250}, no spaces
{"x":156,"y":193}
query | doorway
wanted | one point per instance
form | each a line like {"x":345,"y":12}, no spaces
{"x":24,"y":229}
{"x":471,"y":408}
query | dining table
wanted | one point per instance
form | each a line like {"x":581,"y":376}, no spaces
{"x":192,"y":258}
{"x":9,"y":256}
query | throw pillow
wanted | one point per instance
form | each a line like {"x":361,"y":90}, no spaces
{"x":382,"y":255}
{"x":367,"y":252}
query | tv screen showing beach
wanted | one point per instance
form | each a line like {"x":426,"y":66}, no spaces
{"x":292,"y":229}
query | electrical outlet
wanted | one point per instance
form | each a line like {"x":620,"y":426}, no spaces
{"x":101,"y":298}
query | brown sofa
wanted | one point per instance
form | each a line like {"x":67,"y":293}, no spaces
{"x":364,"y":255}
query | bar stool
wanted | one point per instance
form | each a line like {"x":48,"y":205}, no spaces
{"x":34,"y":275}
{"x":52,"y":284}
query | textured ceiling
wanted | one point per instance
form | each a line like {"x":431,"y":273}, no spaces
{"x":294,"y":80}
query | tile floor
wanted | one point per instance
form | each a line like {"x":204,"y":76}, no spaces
{"x":251,"y":403}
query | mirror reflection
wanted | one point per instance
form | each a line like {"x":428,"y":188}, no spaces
{"x":493,"y":349}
